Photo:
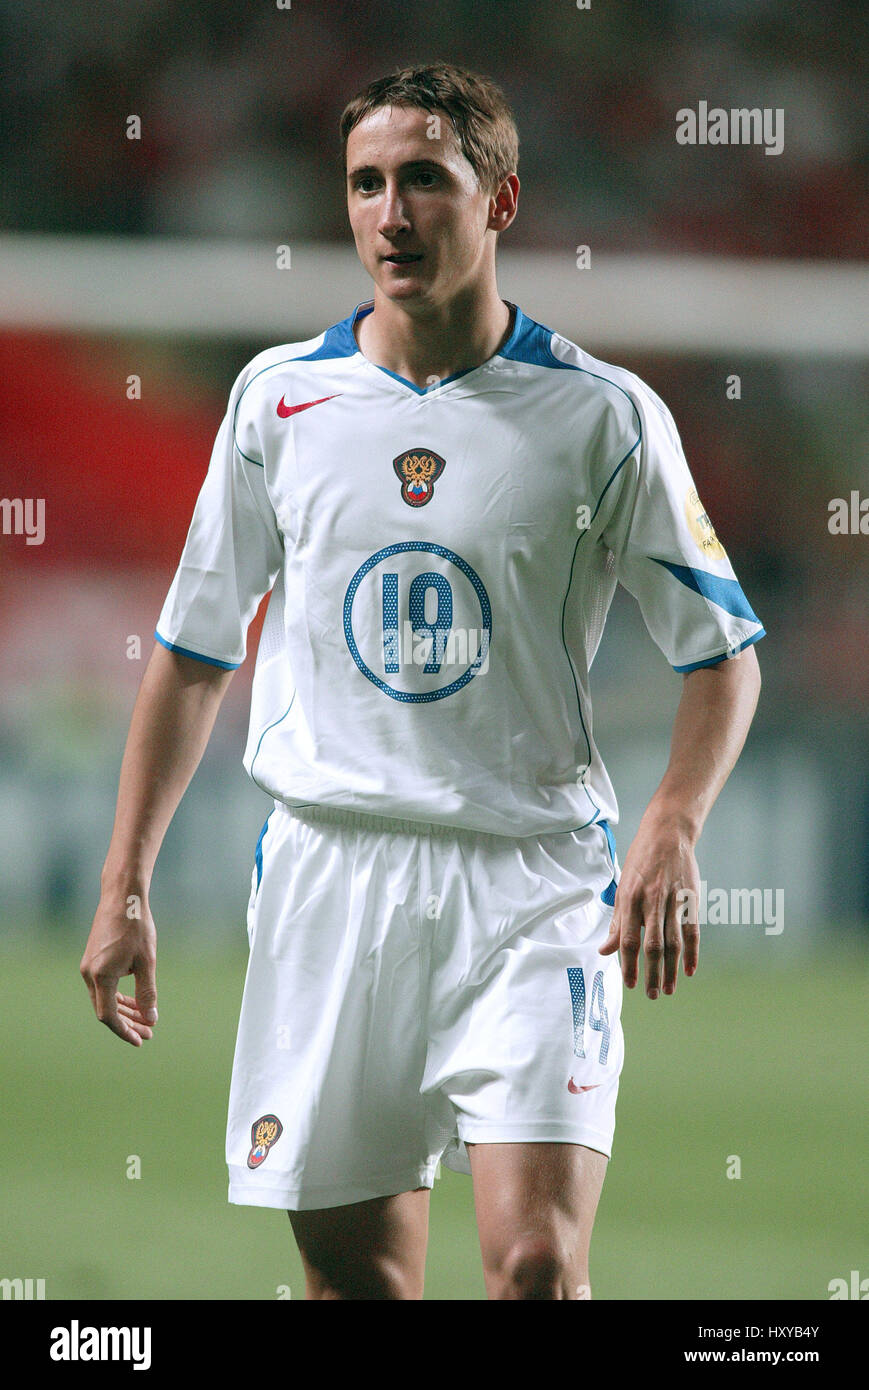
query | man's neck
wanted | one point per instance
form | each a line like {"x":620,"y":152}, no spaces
{"x":429,"y":347}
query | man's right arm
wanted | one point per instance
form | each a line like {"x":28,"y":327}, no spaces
{"x":172,"y":721}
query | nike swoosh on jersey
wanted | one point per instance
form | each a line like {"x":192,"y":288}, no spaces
{"x":285,"y":411}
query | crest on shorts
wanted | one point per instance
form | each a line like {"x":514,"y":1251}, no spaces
{"x":419,"y":470}
{"x":264,"y":1132}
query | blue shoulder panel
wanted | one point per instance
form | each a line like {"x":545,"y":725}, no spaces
{"x":339,"y":341}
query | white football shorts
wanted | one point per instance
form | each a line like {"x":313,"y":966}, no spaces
{"x":413,"y":988}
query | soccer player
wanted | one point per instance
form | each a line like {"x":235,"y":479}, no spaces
{"x":440,"y":495}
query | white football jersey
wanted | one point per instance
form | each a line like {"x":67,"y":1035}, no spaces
{"x":441,"y":562}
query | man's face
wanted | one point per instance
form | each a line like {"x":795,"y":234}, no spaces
{"x":409,"y":195}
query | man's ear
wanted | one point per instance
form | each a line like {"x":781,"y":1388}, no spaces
{"x":503,"y":203}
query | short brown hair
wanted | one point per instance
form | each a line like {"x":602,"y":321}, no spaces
{"x":476,"y":106}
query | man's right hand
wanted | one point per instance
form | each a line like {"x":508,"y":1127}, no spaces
{"x":172,"y":719}
{"x":119,"y":945}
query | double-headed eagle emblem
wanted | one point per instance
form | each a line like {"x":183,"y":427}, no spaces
{"x":419,"y":470}
{"x":264,"y":1132}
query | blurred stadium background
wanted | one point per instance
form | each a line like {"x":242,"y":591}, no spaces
{"x":156,"y":258}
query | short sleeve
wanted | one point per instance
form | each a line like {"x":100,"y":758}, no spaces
{"x":667,"y":553}
{"x":232,"y":554}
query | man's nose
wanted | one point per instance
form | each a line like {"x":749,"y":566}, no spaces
{"x":393,"y":214}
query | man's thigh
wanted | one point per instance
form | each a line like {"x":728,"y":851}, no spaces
{"x":524,"y":1022}
{"x":332,"y":1036}
{"x":536,"y":1204}
{"x":371,"y":1250}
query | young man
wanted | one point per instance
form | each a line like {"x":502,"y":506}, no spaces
{"x":441,"y":495}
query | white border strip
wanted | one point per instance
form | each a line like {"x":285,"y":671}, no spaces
{"x":694,"y":304}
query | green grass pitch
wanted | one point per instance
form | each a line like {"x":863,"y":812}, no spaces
{"x":765,"y":1065}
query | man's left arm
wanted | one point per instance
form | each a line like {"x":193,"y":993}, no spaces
{"x":710,"y":728}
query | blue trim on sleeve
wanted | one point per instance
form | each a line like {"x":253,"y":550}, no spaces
{"x":725,"y":656}
{"x":726,"y":593}
{"x":197,"y":656}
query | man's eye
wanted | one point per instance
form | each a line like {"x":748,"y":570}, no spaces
{"x":367,"y":183}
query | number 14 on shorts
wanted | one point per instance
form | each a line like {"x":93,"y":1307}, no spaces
{"x":597,"y":1011}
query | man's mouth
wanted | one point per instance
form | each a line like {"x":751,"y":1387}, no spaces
{"x":402,"y":258}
